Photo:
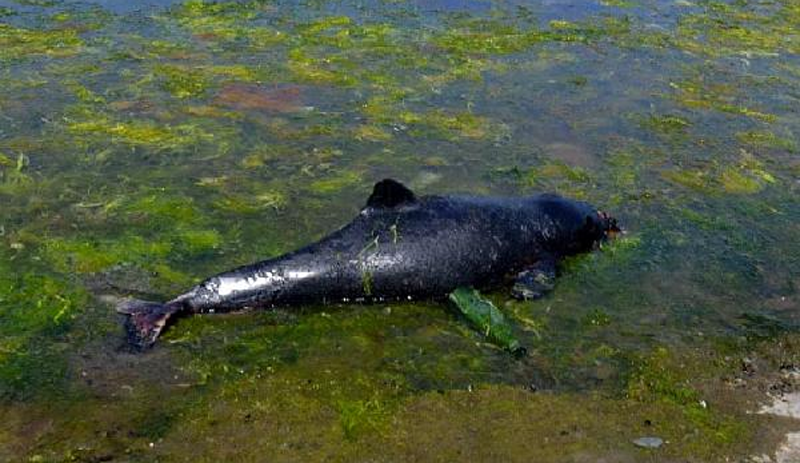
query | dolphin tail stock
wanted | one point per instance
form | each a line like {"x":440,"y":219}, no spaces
{"x":145,"y":320}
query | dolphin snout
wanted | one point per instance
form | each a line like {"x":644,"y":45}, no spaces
{"x":609,"y":225}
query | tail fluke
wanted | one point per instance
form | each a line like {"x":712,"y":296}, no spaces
{"x":145,"y":320}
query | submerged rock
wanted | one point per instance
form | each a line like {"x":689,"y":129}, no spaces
{"x":649,"y":442}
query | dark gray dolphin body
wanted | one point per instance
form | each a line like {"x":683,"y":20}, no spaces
{"x":400,"y":247}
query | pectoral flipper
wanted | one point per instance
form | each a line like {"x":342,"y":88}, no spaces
{"x":535,"y":281}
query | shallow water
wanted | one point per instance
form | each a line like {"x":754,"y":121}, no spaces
{"x":144,"y":148}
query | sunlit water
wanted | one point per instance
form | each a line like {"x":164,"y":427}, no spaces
{"x":147,"y":145}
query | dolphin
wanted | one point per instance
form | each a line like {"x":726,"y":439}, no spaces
{"x":400,"y":247}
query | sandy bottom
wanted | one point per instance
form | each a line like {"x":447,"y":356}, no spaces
{"x":786,"y":405}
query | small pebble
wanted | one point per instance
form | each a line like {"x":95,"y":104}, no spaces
{"x":649,"y":442}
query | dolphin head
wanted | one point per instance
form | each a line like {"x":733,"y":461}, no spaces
{"x":577,"y":226}
{"x":597,"y":228}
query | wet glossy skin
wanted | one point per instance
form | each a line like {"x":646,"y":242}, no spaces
{"x":422,"y":249}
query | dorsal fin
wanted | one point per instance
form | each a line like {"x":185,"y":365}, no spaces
{"x":390,"y":193}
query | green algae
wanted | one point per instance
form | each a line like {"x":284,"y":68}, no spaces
{"x":560,"y":177}
{"x":237,"y":72}
{"x":430,"y":421}
{"x":697,"y":180}
{"x":467,"y":68}
{"x":214,"y":20}
{"x":360,"y":417}
{"x":618,"y":3}
{"x":165,"y":48}
{"x":142,"y":133}
{"x":326,"y":69}
{"x":45,"y":302}
{"x":222,"y":25}
{"x":13,"y":179}
{"x":164,"y":209}
{"x":92,"y":257}
{"x":718,"y":97}
{"x":734,"y":181}
{"x":264,"y":155}
{"x":84,"y":94}
{"x":562,"y":170}
{"x":463,"y":124}
{"x":388,"y":109}
{"x":484,"y":37}
{"x":334,"y":183}
{"x":667,"y":124}
{"x":760,"y":327}
{"x":97,"y":256}
{"x":371,"y":132}
{"x":196,"y":241}
{"x":626,"y":171}
{"x":271,"y":199}
{"x":5,"y":161}
{"x":174,"y":227}
{"x":599,"y":317}
{"x":182,"y":82}
{"x":34,"y":309}
{"x":657,"y":379}
{"x":614,"y":253}
{"x":40,"y":3}
{"x":491,"y":37}
{"x":661,"y":378}
{"x":18,"y":43}
{"x":741,"y":28}
{"x":747,"y":176}
{"x":331,"y":30}
{"x":766,"y":139}
{"x":251,"y":204}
